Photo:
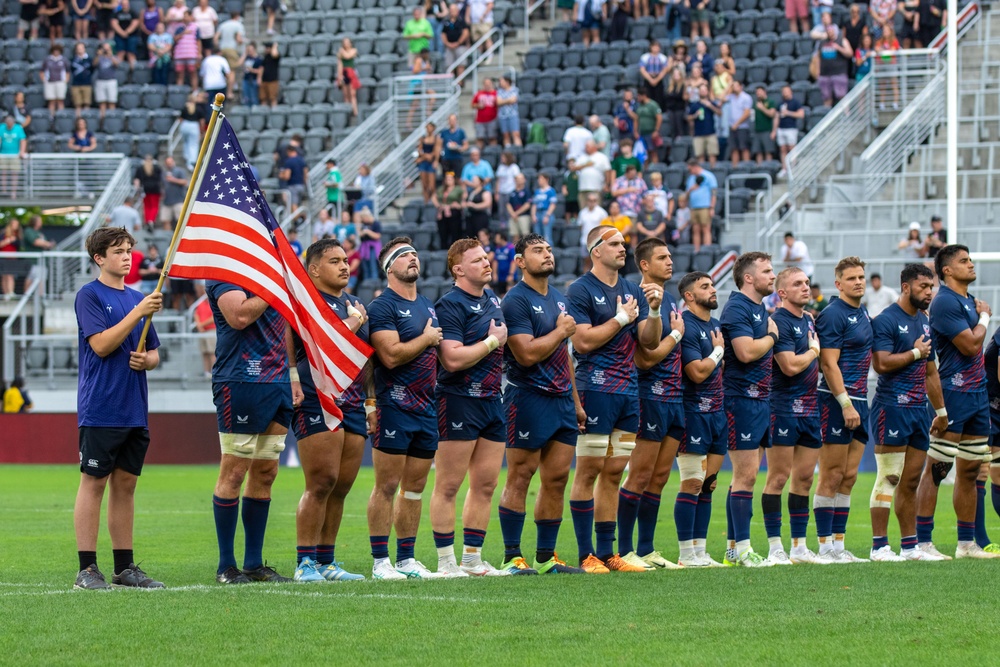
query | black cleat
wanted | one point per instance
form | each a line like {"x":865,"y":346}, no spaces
{"x":265,"y":574}
{"x":232,"y":575}
{"x":91,"y":579}
{"x":134,"y":577}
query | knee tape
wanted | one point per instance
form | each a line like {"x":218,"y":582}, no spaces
{"x":943,"y":451}
{"x":269,"y":447}
{"x":692,"y":466}
{"x":242,"y":445}
{"x":995,"y":463}
{"x":411,"y":495}
{"x":622,"y":443}
{"x":593,"y":445}
{"x":890,"y":467}
{"x":709,"y":484}
{"x":977,"y":449}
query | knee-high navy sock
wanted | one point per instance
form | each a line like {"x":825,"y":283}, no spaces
{"x":254,"y":524}
{"x":729,"y":515}
{"x":324,"y":554}
{"x":227,"y":514}
{"x":548,"y":532}
{"x":404,"y":548}
{"x":511,"y":526}
{"x":703,"y":516}
{"x":823,"y":512}
{"x":649,"y":510}
{"x":995,"y":495}
{"x":798,"y":516}
{"x":925,"y":529}
{"x":742,"y":503}
{"x":770,"y":504}
{"x":982,"y":539}
{"x":628,"y":512}
{"x":685,"y":515}
{"x":841,"y":512}
{"x":583,"y":525}
{"x":605,"y":531}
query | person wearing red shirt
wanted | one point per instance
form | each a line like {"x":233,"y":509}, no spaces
{"x":485,"y":104}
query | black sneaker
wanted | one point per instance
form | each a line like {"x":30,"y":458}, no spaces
{"x":91,"y":579}
{"x":232,"y":575}
{"x":134,"y":577}
{"x":265,"y":574}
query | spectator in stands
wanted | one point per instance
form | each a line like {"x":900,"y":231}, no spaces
{"x":251,"y":65}
{"x":160,"y":46}
{"x":350,"y":245}
{"x":695,"y":81}
{"x":854,"y":27}
{"x":700,"y":18}
{"x":207,"y":21}
{"x":125,"y":216}
{"x":592,"y":169}
{"x":508,"y":115}
{"x":267,"y":80}
{"x":427,"y":161}
{"x":885,"y":49}
{"x":13,"y":149}
{"x":272,"y":7}
{"x":28,"y":20}
{"x":701,"y":115}
{"x":741,"y":107}
{"x":662,"y":199}
{"x":790,"y":111}
{"x":436,"y":12}
{"x":455,"y":144}
{"x":626,"y":226}
{"x":625,"y":115}
{"x":650,"y":223}
{"x":33,"y":240}
{"x":818,"y":8}
{"x":589,"y":16}
{"x":795,"y":253}
{"x":19,"y":109}
{"x":937,"y":239}
{"x":674,"y":10}
{"x":204,"y":323}
{"x":216,"y":77}
{"x":229,"y":39}
{"x":480,"y":17}
{"x":675,"y":103}
{"x":591,"y":215}
{"x":192,"y":118}
{"x":477,"y":168}
{"x":455,"y":38}
{"x":628,"y":191}
{"x":797,"y":12}
{"x":543,"y":208}
{"x":345,"y":229}
{"x":477,"y":205}
{"x":863,"y":57}
{"x":365,"y":182}
{"x":484,"y":240}
{"x":106,"y":79}
{"x":504,"y":269}
{"x":506,"y":173}
{"x":913,"y":247}
{"x":54,"y":12}
{"x":174,"y":190}
{"x":649,"y":118}
{"x":602,"y":135}
{"x":150,"y":269}
{"x":882,"y":15}
{"x":420,"y":68}
{"x":702,"y":57}
{"x":125,"y":25}
{"x":295,"y":173}
{"x":575,"y":138}
{"x":82,"y":140}
{"x":174,"y":17}
{"x":933,"y":16}
{"x":149,"y":177}
{"x":519,"y":209}
{"x":817,"y":302}
{"x":726,"y":58}
{"x":81,"y":78}
{"x":82,"y":18}
{"x":16,"y":399}
{"x":878,"y":296}
{"x":55,"y":78}
{"x":334,"y":179}
{"x":105,"y":13}
{"x":622,"y":161}
{"x":682,"y":219}
{"x":418,"y":34}
{"x":370,"y":235}
{"x":653,"y":68}
{"x":347,"y":75}
{"x":721,"y":85}
{"x":701,"y":189}
{"x":835,"y":56}
{"x":187,"y":50}
{"x":324,"y":225}
{"x":566,"y":10}
{"x":765,"y":126}
{"x":152,"y":15}
{"x":449,"y":209}
{"x":10,"y":241}
{"x":485,"y":104}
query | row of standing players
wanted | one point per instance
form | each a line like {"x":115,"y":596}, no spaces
{"x":643,"y":393}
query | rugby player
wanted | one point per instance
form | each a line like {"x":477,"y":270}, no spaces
{"x":404,"y":332}
{"x":471,"y":424}
{"x":749,"y":336}
{"x":661,"y":418}
{"x":845,"y":336}
{"x":901,"y":425}
{"x":991,"y":471}
{"x":330,"y":459}
{"x":612,"y":316}
{"x":112,"y":407}
{"x":795,"y":426}
{"x":703,"y":447}
{"x":544,"y":415}
{"x":253,"y":402}
{"x":959,"y":323}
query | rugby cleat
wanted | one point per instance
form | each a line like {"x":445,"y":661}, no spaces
{"x":483,"y":569}
{"x":632,"y":558}
{"x":830,"y":557}
{"x":333,"y":572}
{"x":382,"y":570}
{"x":91,"y":579}
{"x":134,"y":577}
{"x":618,"y":564}
{"x":449,"y":569}
{"x":707,"y":559}
{"x":992,"y":548}
{"x":806,"y":556}
{"x":556,"y":566}
{"x":593,"y":565}
{"x":656,"y":560}
{"x":265,"y":574}
{"x":232,"y":575}
{"x":929,"y":548}
{"x":694,"y":561}
{"x":845,"y":556}
{"x":973,"y":550}
{"x":307,"y":572}
{"x":731,"y":558}
{"x":517,"y":566}
{"x":885,"y":555}
{"x":751,"y":558}
{"x":917,"y":554}
{"x":412,"y":568}
{"x":779,"y":557}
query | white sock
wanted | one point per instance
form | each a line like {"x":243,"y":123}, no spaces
{"x":825,"y":545}
{"x":838,"y":543}
{"x":446,"y":554}
{"x":798,"y":545}
{"x":687,"y":549}
{"x":775,"y":544}
{"x":966,"y":544}
{"x":472,"y":555}
{"x":731,"y":544}
{"x":743,"y":546}
{"x":382,"y":561}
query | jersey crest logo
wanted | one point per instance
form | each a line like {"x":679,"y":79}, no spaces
{"x":457,"y":425}
{"x":600,"y":300}
{"x":853,"y":320}
{"x":756,"y":317}
{"x":695,"y":441}
{"x":591,"y":420}
{"x":496,"y":301}
{"x":782,"y":431}
{"x":538,"y":309}
{"x":390,"y":434}
{"x":478,"y":308}
{"x":432,"y":312}
{"x":893,"y":434}
{"x":524,"y":435}
{"x":315,"y":420}
{"x":904,"y":329}
{"x":927,"y":330}
{"x":243,"y":420}
{"x":404,"y":313}
{"x":562,"y":306}
{"x":650,"y":427}
{"x":836,"y":431}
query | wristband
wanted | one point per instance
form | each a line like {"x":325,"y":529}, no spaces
{"x":293,"y":374}
{"x":354,"y":312}
{"x":773,"y":336}
{"x":815,"y":348}
{"x":492,"y":343}
{"x":916,"y":354}
{"x":622,"y":318}
{"x":941,"y":412}
{"x":654,"y":313}
{"x":717,"y":353}
{"x":676,"y":335}
{"x":984,"y":320}
{"x":369,"y":406}
{"x":843,"y":399}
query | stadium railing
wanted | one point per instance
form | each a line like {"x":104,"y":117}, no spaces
{"x":530,"y":9}
{"x":65,"y":178}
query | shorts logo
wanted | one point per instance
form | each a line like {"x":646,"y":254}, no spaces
{"x":243,"y":419}
{"x":538,"y":309}
{"x":478,"y":308}
{"x":591,"y":420}
{"x":315,"y":420}
{"x":950,"y":422}
{"x":904,"y":330}
{"x":650,"y":427}
{"x":600,"y":300}
{"x":745,"y":437}
{"x":893,"y":434}
{"x":390,"y":434}
{"x":853,"y":320}
{"x":836,"y":431}
{"x":404,"y":313}
{"x":695,"y":441}
{"x":92,"y":463}
{"x":523,"y":435}
{"x":457,"y":426}
{"x":782,"y":431}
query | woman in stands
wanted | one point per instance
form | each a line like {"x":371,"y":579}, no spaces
{"x":10,"y":241}
{"x":886,"y":48}
{"x":175,"y":16}
{"x":149,"y":177}
{"x":726,"y":58}
{"x":675,"y":101}
{"x":912,"y":247}
{"x":347,"y":76}
{"x":449,"y":210}
{"x":863,"y":57}
{"x":427,"y":161}
{"x":192,"y":117}
{"x":695,"y":81}
{"x":834,"y":60}
{"x":55,"y":12}
{"x":187,"y":50}
{"x":477,"y":206}
{"x":82,"y":17}
{"x":160,"y":46}
{"x":507,"y":112}
{"x":82,"y":140}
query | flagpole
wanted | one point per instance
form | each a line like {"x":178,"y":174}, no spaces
{"x":193,"y":185}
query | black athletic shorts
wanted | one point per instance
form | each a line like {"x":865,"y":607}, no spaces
{"x":102,"y":449}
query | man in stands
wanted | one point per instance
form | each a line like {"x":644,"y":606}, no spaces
{"x":701,"y":187}
{"x":485,"y":104}
{"x":455,"y":37}
{"x":790,"y":111}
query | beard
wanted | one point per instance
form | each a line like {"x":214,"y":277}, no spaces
{"x":920,"y":304}
{"x":711,"y":303}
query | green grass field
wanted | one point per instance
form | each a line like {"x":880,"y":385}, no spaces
{"x":889,"y":613}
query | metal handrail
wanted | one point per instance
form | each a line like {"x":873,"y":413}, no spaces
{"x":473,"y":68}
{"x":530,"y":9}
{"x":64,"y":177}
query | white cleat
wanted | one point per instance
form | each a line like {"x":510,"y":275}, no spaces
{"x":449,"y":569}
{"x":829,"y":558}
{"x":917,"y":554}
{"x":483,"y":569}
{"x":885,"y":555}
{"x":973,"y":551}
{"x":805,"y":557}
{"x":383,"y":570}
{"x":845,"y":556}
{"x":779,"y":557}
{"x":751,"y":558}
{"x":411,"y":568}
{"x":656,"y":560}
{"x":691,"y":562}
{"x":929,"y":548}
{"x":708,"y":561}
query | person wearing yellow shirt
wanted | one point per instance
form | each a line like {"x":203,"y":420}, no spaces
{"x":16,"y":398}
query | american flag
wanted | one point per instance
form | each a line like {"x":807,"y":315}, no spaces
{"x":231,"y":235}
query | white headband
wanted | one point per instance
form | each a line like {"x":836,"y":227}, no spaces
{"x":601,"y":239}
{"x":396,"y":254}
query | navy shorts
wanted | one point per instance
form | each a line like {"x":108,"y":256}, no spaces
{"x":607,"y":412}
{"x":308,"y":420}
{"x":705,"y":433}
{"x":790,"y":430}
{"x":659,"y":420}
{"x":102,"y":449}
{"x":405,"y":433}
{"x":355,"y":420}
{"x":968,"y":412}
{"x":535,"y":419}
{"x":465,"y":418}
{"x":894,"y":426}
{"x":832,"y":417}
{"x":749,"y":423}
{"x":248,"y":407}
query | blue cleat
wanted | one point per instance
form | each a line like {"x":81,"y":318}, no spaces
{"x":306,"y":571}
{"x":333,"y":572}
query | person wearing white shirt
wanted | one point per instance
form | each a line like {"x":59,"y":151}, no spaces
{"x":216,"y":76}
{"x":590,"y":216}
{"x":506,"y":172}
{"x":795,"y":253}
{"x":878,"y":296}
{"x":575,"y":139}
{"x":592,"y":166}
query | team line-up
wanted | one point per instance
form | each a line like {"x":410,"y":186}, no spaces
{"x":645,"y":381}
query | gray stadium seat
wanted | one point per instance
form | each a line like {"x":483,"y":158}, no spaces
{"x":147,"y":144}
{"x":177,"y":96}
{"x":137,"y":121}
{"x":573,"y":56}
{"x":294,"y":92}
{"x":553,"y":56}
